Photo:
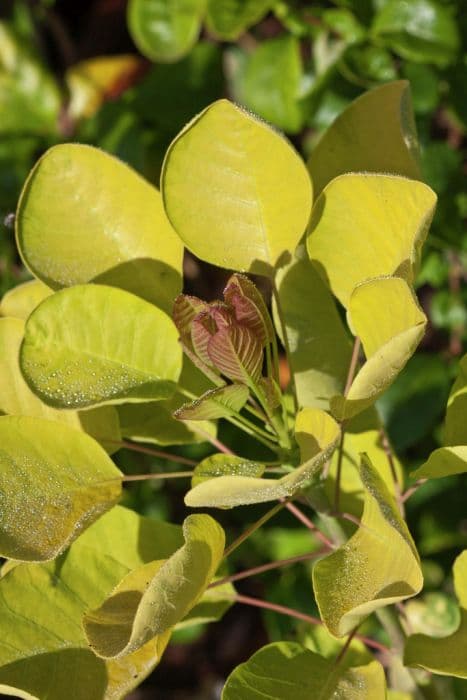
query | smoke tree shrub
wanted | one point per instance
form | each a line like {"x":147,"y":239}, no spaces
{"x":102,"y":350}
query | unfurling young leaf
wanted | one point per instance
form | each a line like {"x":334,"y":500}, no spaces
{"x":151,"y":599}
{"x":249,"y":307}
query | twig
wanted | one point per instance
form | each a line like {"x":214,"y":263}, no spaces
{"x":411,"y":490}
{"x":149,"y":451}
{"x":252,"y":528}
{"x":148,"y":477}
{"x":342,"y":652}
{"x":267,"y":567}
{"x":309,"y":524}
{"x":214,"y":441}
{"x":390,"y":457}
{"x":285,"y":339}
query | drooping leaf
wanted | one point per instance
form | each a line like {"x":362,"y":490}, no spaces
{"x":269,"y":82}
{"x":225,"y":465}
{"x":319,"y":345}
{"x":249,"y":306}
{"x":228,"y":19}
{"x":231,"y":175}
{"x":285,"y":670}
{"x":444,"y":461}
{"x":17,"y":399}
{"x":151,"y":599}
{"x":378,"y":566}
{"x":216,"y":403}
{"x":385,"y":315}
{"x":41,"y":608}
{"x":165,"y":30}
{"x":424,"y":31}
{"x":107,"y":226}
{"x":20,"y":301}
{"x":316,"y":433}
{"x":94,"y":344}
{"x":54,"y":482}
{"x":455,"y":431}
{"x":381,"y":221}
{"x":376,"y":133}
{"x":445,"y":656}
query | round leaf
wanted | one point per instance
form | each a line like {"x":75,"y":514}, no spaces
{"x":94,"y":344}
{"x":54,"y":482}
{"x":108,"y":225}
{"x":20,"y":301}
{"x":230,"y":175}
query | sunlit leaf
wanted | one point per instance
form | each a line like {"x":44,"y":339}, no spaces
{"x":165,"y":30}
{"x":445,"y":656}
{"x":444,"y":461}
{"x":455,"y":432}
{"x":54,"y":482}
{"x":378,"y":566}
{"x":228,"y":19}
{"x":385,"y":315}
{"x":107,"y":226}
{"x":376,"y":133}
{"x":153,"y":598}
{"x":285,"y":670}
{"x":317,"y":434}
{"x":225,"y":465}
{"x":20,"y":301}
{"x":94,"y":344}
{"x":381,"y":221}
{"x":319,"y":345}
{"x":231,"y":175}
{"x":17,"y":399}
{"x":249,"y":306}
{"x":216,"y":403}
{"x":41,"y":608}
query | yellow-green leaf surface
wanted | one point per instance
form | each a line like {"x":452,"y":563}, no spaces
{"x":218,"y":465}
{"x":17,"y":399}
{"x":455,"y":429}
{"x":151,"y":599}
{"x":317,"y":435}
{"x":444,"y":461}
{"x":165,"y":30}
{"x":228,"y":19}
{"x":231,"y":175}
{"x":54,"y":482}
{"x":215,"y":403}
{"x":20,"y":301}
{"x":385,"y":315}
{"x":107,"y":226}
{"x":43,"y":649}
{"x":379,"y":564}
{"x":362,"y":434}
{"x":376,"y":133}
{"x":286,"y":670}
{"x":320,"y":348}
{"x":446,"y":656}
{"x":94,"y":344}
{"x":367,"y":225}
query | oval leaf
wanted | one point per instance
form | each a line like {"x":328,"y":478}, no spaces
{"x":231,"y":175}
{"x":380,"y":221}
{"x":455,"y":430}
{"x":376,"y":133}
{"x":20,"y":301}
{"x":285,"y":670}
{"x":41,"y":609}
{"x":108,"y":226}
{"x":54,"y":482}
{"x":445,"y":461}
{"x":153,"y":598}
{"x":228,"y":19}
{"x":445,"y":656}
{"x":165,"y":30}
{"x":378,"y":566}
{"x":385,"y":315}
{"x":225,"y":465}
{"x":17,"y":399}
{"x":93,"y":344}
{"x":318,"y":435}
